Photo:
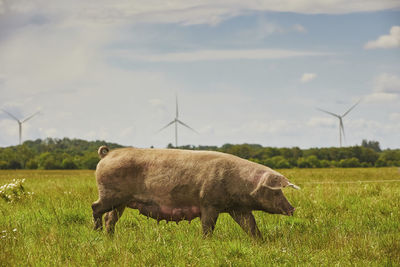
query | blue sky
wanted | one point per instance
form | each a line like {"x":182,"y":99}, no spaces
{"x":251,"y":72}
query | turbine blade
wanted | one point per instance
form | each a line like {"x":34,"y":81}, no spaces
{"x":351,"y":108}
{"x":30,"y":117}
{"x":11,"y":115}
{"x":166,"y":126}
{"x":330,"y":113}
{"x":342,"y":129}
{"x":187,"y":126}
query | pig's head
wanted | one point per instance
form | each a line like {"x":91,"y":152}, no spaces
{"x":269,"y":196}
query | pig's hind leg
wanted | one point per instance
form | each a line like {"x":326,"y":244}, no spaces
{"x":102,"y":206}
{"x":247,"y":222}
{"x":112,"y":217}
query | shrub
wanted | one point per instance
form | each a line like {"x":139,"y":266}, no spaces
{"x":90,"y":163}
{"x":380,"y":163}
{"x":68,"y":164}
{"x":14,"y":164}
{"x":32,"y":164}
{"x":348,"y":163}
{"x":3,"y":165}
{"x":282,"y":164}
{"x":366,"y":164}
{"x":14,"y":191}
{"x":278,"y":162}
{"x":313,"y":161}
{"x":325,"y":163}
{"x":303,"y":163}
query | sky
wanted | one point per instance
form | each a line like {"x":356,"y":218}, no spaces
{"x":243,"y":71}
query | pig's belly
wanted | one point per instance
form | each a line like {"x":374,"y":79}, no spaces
{"x":164,"y":212}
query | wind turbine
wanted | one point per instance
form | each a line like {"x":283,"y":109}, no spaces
{"x":340,"y":117}
{"x":20,"y":122}
{"x":176,"y":121}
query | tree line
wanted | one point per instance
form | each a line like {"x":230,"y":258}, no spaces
{"x":52,"y":153}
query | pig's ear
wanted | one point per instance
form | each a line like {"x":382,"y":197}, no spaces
{"x":270,"y":181}
{"x":294,"y":186}
{"x":276,"y":182}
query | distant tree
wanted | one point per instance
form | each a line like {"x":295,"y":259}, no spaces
{"x":303,"y":163}
{"x":3,"y":165}
{"x":309,"y":162}
{"x":368,"y":155}
{"x":53,"y":153}
{"x":48,"y":161}
{"x":366,"y":164}
{"x":282,"y":163}
{"x":32,"y":164}
{"x":242,"y":151}
{"x":278,"y":162}
{"x":24,"y":154}
{"x":371,"y":144}
{"x":391,"y":156}
{"x":68,"y":164}
{"x":90,"y":162}
{"x":380,"y":163}
{"x":296,"y":152}
{"x":325,"y":163}
{"x":255,"y":160}
{"x":170,"y":145}
{"x":314,"y":161}
{"x":349,"y":163}
{"x":14,"y":164}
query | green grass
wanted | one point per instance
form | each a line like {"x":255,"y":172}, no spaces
{"x":336,"y":223}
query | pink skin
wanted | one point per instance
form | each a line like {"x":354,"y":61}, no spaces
{"x":166,"y":212}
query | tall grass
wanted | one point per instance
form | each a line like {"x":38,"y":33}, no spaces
{"x":335,"y":223}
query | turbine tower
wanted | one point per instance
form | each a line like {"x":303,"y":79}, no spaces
{"x":20,"y":122}
{"x":340,"y":117}
{"x":176,"y":121}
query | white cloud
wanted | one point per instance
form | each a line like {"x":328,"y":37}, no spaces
{"x":267,"y":127}
{"x":395,"y":117}
{"x":49,"y":57}
{"x":49,"y":132}
{"x":156,"y":102}
{"x":387,"y":83}
{"x":392,"y":40}
{"x":299,"y":28}
{"x":265,"y":29}
{"x":308,"y":77}
{"x":186,"y":12}
{"x":2,"y":7}
{"x":386,"y":88}
{"x":128,"y":132}
{"x":322,"y":122}
{"x":262,"y":30}
{"x":9,"y":127}
{"x":211,"y":55}
{"x":380,"y":97}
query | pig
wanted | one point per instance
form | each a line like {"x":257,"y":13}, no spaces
{"x":176,"y":185}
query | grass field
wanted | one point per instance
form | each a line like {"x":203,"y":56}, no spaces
{"x":343,"y":217}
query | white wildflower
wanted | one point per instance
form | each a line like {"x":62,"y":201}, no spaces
{"x":13,"y":191}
